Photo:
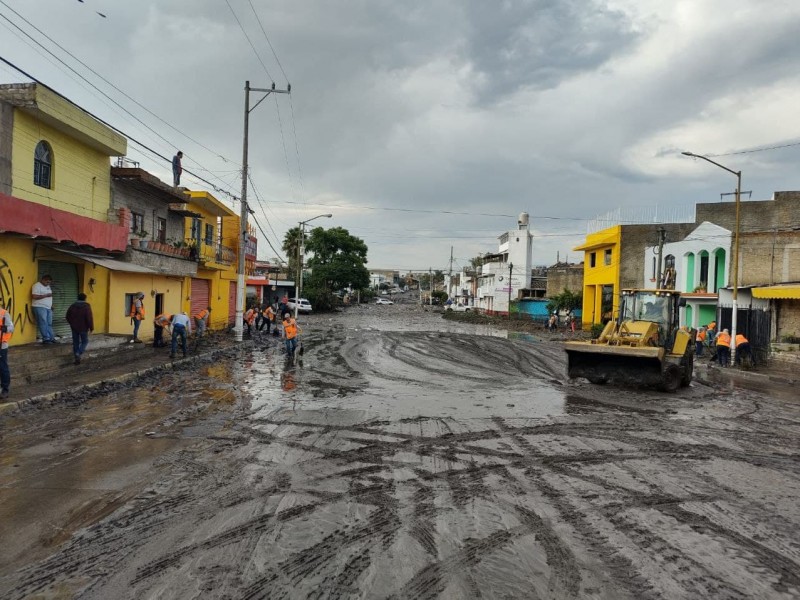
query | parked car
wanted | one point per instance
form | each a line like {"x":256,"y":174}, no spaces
{"x":303,"y":306}
{"x":383,"y":301}
{"x":459,"y":308}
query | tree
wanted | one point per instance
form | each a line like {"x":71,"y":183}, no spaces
{"x":291,"y":246}
{"x":566,"y":300}
{"x":338,"y":261}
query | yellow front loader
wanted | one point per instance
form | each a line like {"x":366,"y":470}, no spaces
{"x":643,"y":346}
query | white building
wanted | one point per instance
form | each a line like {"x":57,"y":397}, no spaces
{"x":508,"y":270}
{"x":697,"y":267}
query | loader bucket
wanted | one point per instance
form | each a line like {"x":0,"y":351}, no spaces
{"x":601,"y":363}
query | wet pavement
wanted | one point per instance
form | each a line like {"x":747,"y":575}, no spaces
{"x":401,"y":456}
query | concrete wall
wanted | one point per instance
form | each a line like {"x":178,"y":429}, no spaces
{"x":770,"y":257}
{"x":788,"y":319}
{"x":6,"y":144}
{"x":80,"y":175}
{"x":121,"y":283}
{"x":635,"y":239}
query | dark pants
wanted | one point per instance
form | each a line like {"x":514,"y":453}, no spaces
{"x":80,"y":339}
{"x":698,"y":348}
{"x":158,"y":336}
{"x":5,"y":374}
{"x":291,"y":344}
{"x":267,"y":322}
{"x":743,"y":350}
{"x":178,"y":331}
{"x":724,"y":356}
{"x":136,"y":324}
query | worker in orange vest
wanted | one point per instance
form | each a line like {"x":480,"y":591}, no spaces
{"x":201,"y":320}
{"x":137,"y":315}
{"x":160,"y":323}
{"x":290,"y":331}
{"x":6,"y":331}
{"x":250,"y":318}
{"x":268,"y":316}
{"x":699,"y":340}
{"x":743,"y":349}
{"x":723,"y":340}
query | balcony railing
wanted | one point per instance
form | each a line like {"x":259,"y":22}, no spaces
{"x":216,"y":253}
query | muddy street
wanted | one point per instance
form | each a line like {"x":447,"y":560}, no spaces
{"x":402,"y":456}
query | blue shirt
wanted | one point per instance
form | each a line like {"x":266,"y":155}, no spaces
{"x":182,"y":320}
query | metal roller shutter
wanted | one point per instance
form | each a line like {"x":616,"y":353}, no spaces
{"x":200,"y":294}
{"x":232,"y":303}
{"x":65,"y":292}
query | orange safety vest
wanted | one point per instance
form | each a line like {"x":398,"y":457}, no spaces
{"x":740,"y":339}
{"x":4,"y":338}
{"x":724,"y":339}
{"x":162,"y":320}
{"x":701,"y":336}
{"x":137,"y":313}
{"x":202,"y":314}
{"x":290,"y":327}
{"x":268,"y":313}
{"x":250,"y":316}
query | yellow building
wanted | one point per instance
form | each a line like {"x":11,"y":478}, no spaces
{"x":214,"y":234}
{"x":54,"y":199}
{"x":601,"y":274}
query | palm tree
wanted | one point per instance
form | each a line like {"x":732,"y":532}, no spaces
{"x":291,"y":246}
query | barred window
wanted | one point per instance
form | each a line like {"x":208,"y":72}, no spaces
{"x":42,"y":165}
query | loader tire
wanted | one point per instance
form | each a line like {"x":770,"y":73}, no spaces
{"x":598,"y":379}
{"x":672,"y":377}
{"x":688,"y":372}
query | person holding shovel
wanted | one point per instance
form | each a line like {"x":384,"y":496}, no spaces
{"x":290,"y":332}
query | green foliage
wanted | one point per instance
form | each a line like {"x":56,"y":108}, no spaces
{"x":338,"y":261}
{"x":596,"y":330}
{"x":439,"y":295}
{"x":291,"y":246}
{"x":566,"y":300}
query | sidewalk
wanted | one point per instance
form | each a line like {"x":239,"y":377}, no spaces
{"x":770,"y":373}
{"x":109,"y":360}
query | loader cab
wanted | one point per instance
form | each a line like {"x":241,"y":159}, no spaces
{"x":656,"y":306}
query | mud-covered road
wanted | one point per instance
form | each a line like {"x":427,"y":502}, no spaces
{"x":403,"y":456}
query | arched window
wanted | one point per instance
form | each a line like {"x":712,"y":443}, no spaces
{"x":42,"y":165}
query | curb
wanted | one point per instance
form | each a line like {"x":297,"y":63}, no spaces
{"x":51,"y":398}
{"x":712,"y":374}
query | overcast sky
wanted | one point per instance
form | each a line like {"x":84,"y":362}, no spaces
{"x":566,"y":109}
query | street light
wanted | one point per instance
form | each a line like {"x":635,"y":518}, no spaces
{"x":735,"y":315}
{"x":298,"y":285}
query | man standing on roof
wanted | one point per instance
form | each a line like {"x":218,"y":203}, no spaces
{"x":177,"y":168}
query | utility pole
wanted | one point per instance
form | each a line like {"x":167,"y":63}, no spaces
{"x":510,"y":270}
{"x":430,"y":285}
{"x":238,"y":328}
{"x":662,"y":237}
{"x":450,"y":275}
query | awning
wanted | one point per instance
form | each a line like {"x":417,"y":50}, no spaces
{"x":109,"y":263}
{"x":609,"y":240}
{"x":778,"y":292}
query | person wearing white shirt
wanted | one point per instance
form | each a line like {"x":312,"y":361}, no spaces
{"x":42,"y":306}
{"x":181,"y":326}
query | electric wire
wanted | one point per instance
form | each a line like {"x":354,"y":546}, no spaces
{"x":247,"y":37}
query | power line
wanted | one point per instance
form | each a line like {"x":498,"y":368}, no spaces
{"x":136,"y":102}
{"x":116,"y":129}
{"x":764,"y":149}
{"x":258,"y":56}
{"x":280,"y":66}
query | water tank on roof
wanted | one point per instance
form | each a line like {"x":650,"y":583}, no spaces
{"x":522,"y":220}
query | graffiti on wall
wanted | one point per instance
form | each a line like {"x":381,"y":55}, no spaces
{"x":8,"y":296}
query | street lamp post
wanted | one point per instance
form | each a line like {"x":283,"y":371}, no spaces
{"x":735,"y":315}
{"x":298,"y":285}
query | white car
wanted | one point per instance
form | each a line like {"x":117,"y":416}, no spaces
{"x":303,"y":306}
{"x":383,"y":301}
{"x":459,"y":308}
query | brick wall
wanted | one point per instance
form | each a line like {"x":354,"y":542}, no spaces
{"x":560,"y":277}
{"x":788,"y":318}
{"x":769,"y":258}
{"x":780,"y":212}
{"x":125,"y":195}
